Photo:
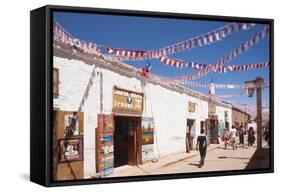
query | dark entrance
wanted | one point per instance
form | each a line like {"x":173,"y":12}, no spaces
{"x":126,"y":140}
{"x":189,"y":134}
{"x":212,"y":129}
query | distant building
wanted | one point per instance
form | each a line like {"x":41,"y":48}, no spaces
{"x":240,"y":117}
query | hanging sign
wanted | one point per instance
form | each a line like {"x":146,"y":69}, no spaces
{"x":127,"y":100}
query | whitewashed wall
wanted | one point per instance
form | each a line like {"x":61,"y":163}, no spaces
{"x":169,"y":111}
{"x":169,"y":108}
{"x":201,"y":114}
{"x":74,"y":76}
{"x":221,"y":114}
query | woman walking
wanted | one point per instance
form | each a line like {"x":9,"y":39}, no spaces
{"x":251,"y":137}
{"x":225,"y":137}
{"x":241,"y":136}
{"x":202,"y":143}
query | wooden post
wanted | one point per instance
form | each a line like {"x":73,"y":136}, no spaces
{"x":259,"y":82}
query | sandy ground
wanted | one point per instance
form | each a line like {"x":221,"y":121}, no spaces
{"x":217,"y":159}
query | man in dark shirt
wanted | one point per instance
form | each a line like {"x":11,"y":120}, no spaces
{"x":202,"y":143}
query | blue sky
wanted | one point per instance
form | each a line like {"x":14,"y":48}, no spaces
{"x":142,"y":33}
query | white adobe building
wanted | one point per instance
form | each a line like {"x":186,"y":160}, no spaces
{"x":87,"y":83}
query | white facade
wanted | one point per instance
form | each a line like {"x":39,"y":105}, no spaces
{"x":168,"y":107}
{"x":221,"y":116}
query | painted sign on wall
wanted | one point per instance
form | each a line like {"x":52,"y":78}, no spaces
{"x":147,"y":138}
{"x":212,"y":108}
{"x":191,"y":106}
{"x":127,"y":100}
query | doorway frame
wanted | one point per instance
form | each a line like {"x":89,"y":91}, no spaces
{"x":137,"y":134}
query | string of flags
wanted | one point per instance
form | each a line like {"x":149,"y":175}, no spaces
{"x":126,"y":54}
{"x":242,"y":48}
{"x":230,"y":95}
{"x":132,"y":54}
{"x":218,"y":66}
{"x":199,"y":41}
{"x":202,"y":40}
{"x":172,"y":62}
{"x":59,"y":33}
{"x":220,"y":62}
{"x":213,"y":85}
{"x":180,"y":64}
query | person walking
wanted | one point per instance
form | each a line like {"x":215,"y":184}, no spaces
{"x":233,"y":135}
{"x":241,"y":136}
{"x":225,"y":137}
{"x":251,"y":136}
{"x":267,"y":132}
{"x":202,"y":143}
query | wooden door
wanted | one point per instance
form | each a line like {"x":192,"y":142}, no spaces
{"x":132,"y":134}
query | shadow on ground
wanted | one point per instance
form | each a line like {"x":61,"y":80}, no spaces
{"x":225,"y":157}
{"x":24,"y":176}
{"x":260,"y":160}
{"x":195,"y":164}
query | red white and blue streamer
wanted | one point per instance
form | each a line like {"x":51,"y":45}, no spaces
{"x":199,"y":41}
{"x":59,"y":33}
{"x":202,"y":40}
{"x":225,"y":86}
{"x":218,"y":66}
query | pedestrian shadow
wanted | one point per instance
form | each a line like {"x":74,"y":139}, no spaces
{"x":225,"y":157}
{"x":195,"y":164}
{"x":224,"y":148}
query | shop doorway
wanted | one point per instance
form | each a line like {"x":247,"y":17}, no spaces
{"x":126,"y":140}
{"x":190,"y":133}
{"x":213,"y":131}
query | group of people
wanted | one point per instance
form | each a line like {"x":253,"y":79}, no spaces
{"x":231,"y":137}
{"x":227,"y":137}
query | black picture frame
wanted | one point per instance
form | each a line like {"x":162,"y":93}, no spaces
{"x":41,"y":94}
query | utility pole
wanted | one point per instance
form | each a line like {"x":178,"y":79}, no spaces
{"x":251,"y":86}
{"x":259,"y":83}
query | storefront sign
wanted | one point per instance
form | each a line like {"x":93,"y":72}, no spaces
{"x":127,"y":100}
{"x":212,"y":108}
{"x":191,"y":106}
